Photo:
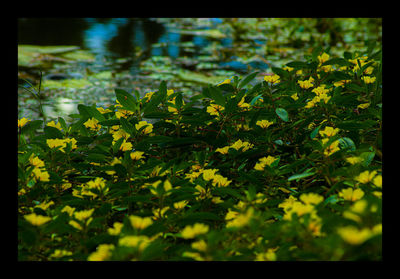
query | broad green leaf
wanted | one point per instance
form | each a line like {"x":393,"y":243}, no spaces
{"x":127,"y":100}
{"x":247,"y":79}
{"x":217,"y":96}
{"x":283,"y":114}
{"x":347,"y":143}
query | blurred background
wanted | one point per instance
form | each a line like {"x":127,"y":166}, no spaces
{"x":82,"y":60}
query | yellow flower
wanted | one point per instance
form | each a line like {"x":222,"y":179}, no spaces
{"x":354,"y":236}
{"x":149,"y":95}
{"x":354,"y":160}
{"x":323,"y":58}
{"x":341,"y":82}
{"x":239,"y":144}
{"x":368,"y":70}
{"x":189,"y":231}
{"x":116,"y":229}
{"x":200,"y":245}
{"x":137,"y":155}
{"x":223,"y":150}
{"x":327,"y":68}
{"x":305,"y":84}
{"x":294,"y":97}
{"x":140,"y":222}
{"x":125,"y":146}
{"x":170,"y":92}
{"x":311,"y":198}
{"x":241,"y":219}
{"x":227,"y":81}
{"x":194,"y":255}
{"x":60,"y":253}
{"x":102,"y":110}
{"x":53,"y":124}
{"x":92,"y":124}
{"x":329,"y":131}
{"x":268,"y":160}
{"x":377,"y":181}
{"x":272,"y":78}
{"x":35,"y":161}
{"x":180,"y":205}
{"x":68,"y":209}
{"x":363,"y":106}
{"x":103,"y":252}
{"x":350,"y":194}
{"x":83,"y":214}
{"x":332,"y":148}
{"x":45,"y":205}
{"x":230,"y":215}
{"x":146,"y":130}
{"x":209,"y":174}
{"x":320,"y":90}
{"x":37,"y":220}
{"x":287,"y":68}
{"x":120,"y":134}
{"x":242,"y":104}
{"x":41,"y":175}
{"x":365,"y":176}
{"x":299,"y":208}
{"x":267,"y":256}
{"x":54,"y":143}
{"x":214,"y":109}
{"x":264,"y":123}
{"x":22,"y":122}
{"x":368,"y":79}
{"x":135,"y":241}
{"x":220,"y":181}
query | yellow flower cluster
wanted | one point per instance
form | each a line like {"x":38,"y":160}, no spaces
{"x":214,"y":109}
{"x":355,"y":236}
{"x":190,"y":232}
{"x":236,"y":145}
{"x":37,"y":220}
{"x":326,"y":134}
{"x":92,"y":124}
{"x":264,"y":123}
{"x":148,"y":127}
{"x":103,"y":252}
{"x":305,"y":206}
{"x":62,"y":143}
{"x":264,"y":161}
{"x":22,"y":122}
{"x":272,"y":78}
{"x":321,"y":95}
{"x":239,"y":220}
{"x":305,"y":84}
{"x":91,"y":188}
{"x":39,"y":171}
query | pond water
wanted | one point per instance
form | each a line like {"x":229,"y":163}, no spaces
{"x":129,"y":53}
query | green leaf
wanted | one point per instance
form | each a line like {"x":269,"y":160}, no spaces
{"x":300,"y":175}
{"x":157,"y":98}
{"x":252,"y":102}
{"x":367,"y":158}
{"x":217,"y":96}
{"x":297,"y":64}
{"x":126,"y":100}
{"x":315,"y":132}
{"x":347,"y":143}
{"x":52,"y":133}
{"x":247,"y":79}
{"x":283,"y":114}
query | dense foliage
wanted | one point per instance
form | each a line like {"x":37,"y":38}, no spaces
{"x":288,"y":168}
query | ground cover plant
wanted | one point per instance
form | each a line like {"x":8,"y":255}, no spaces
{"x":287,"y":168}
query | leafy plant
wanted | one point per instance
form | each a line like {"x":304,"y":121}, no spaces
{"x":272,"y":171}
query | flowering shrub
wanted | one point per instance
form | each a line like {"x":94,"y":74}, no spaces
{"x":286,"y":168}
